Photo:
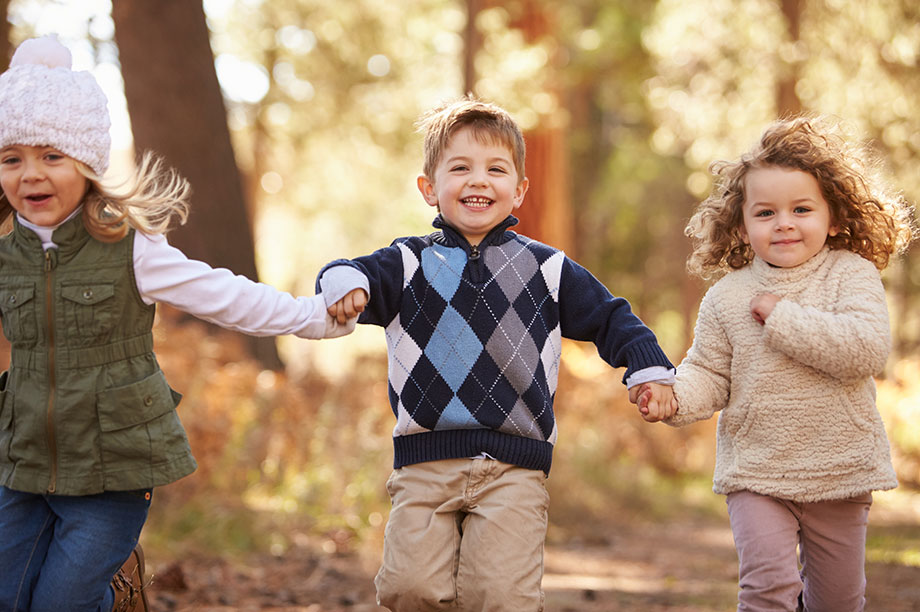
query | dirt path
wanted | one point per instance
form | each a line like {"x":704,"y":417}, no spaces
{"x":682,"y":567}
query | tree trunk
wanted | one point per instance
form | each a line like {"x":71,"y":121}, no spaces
{"x":472,"y":42}
{"x":177,"y":110}
{"x":787,"y":100}
{"x":547,"y":211}
{"x":5,"y":48}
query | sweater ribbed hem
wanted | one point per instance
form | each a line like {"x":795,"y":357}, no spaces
{"x":461,"y":443}
{"x":809,"y":490}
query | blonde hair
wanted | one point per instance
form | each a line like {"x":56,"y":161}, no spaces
{"x":870,"y":221}
{"x":153,"y":199}
{"x":490,"y":123}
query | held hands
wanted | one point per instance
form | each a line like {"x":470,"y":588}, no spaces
{"x":349,"y":307}
{"x":656,"y":402}
{"x":762,"y":305}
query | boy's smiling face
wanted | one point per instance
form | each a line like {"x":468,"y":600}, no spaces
{"x":475,"y":184}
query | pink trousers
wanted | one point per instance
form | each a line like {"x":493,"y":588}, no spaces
{"x":831,"y":541}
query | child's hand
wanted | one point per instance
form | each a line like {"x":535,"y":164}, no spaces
{"x":349,"y":306}
{"x":762,"y":305}
{"x":656,"y":402}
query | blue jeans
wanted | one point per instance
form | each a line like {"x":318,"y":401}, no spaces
{"x":60,"y":553}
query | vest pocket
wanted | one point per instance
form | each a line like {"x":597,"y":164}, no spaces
{"x":88,"y":308}
{"x":139,"y":427}
{"x":18,"y":311}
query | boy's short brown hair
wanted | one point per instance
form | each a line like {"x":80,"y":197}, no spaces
{"x":488,"y":121}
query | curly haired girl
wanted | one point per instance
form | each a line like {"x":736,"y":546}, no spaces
{"x":786,"y":345}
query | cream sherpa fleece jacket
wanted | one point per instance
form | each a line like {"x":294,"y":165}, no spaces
{"x":798,"y":418}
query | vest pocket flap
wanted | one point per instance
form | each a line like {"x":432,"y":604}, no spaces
{"x":136,"y":403}
{"x":88,"y":294}
{"x":12,"y":298}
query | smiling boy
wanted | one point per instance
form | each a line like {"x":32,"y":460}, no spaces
{"x":474,"y":315}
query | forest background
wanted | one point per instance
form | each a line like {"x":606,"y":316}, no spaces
{"x":294,"y":121}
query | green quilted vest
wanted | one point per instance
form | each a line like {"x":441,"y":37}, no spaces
{"x":84,"y":407}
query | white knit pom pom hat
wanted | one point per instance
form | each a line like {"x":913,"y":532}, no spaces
{"x":45,"y":103}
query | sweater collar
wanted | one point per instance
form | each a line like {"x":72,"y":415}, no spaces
{"x":772,"y":275}
{"x":449,"y":236}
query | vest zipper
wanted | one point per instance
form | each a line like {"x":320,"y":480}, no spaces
{"x":49,"y":313}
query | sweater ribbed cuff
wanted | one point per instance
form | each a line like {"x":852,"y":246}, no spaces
{"x":643,"y":355}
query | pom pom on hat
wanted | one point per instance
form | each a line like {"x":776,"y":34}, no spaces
{"x":46,"y":51}
{"x":45,"y":103}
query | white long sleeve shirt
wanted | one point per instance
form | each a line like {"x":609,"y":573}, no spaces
{"x":165,"y":275}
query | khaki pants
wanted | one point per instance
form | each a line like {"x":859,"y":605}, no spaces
{"x":831,"y":537}
{"x":464,"y":534}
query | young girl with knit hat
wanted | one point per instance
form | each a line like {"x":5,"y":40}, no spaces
{"x":786,"y":345}
{"x":88,"y":423}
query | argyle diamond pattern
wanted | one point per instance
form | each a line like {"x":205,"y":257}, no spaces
{"x":472,"y":356}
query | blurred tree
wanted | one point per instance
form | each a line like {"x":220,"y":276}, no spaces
{"x":878,"y":72}
{"x":630,"y":200}
{"x":787,"y":100}
{"x":177,"y":110}
{"x":5,"y":47}
{"x":472,"y":43}
{"x":547,"y":211}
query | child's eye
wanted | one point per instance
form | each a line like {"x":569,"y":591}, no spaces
{"x":763,"y":213}
{"x":459,"y":168}
{"x":9,"y":160}
{"x":498,"y":169}
{"x":54,"y":156}
{"x":802,"y":209}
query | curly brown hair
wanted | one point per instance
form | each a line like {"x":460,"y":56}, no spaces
{"x":870,"y":220}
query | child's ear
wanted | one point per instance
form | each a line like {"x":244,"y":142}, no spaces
{"x":519,"y":192}
{"x":426,"y":187}
{"x":833,"y":231}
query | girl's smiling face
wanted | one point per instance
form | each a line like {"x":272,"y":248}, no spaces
{"x":475,"y":184}
{"x":786,"y":218}
{"x":41,"y":183}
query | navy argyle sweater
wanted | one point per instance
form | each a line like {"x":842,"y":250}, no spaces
{"x":473,"y":335}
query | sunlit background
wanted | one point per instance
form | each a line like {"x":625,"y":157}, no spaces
{"x":625,"y":105}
